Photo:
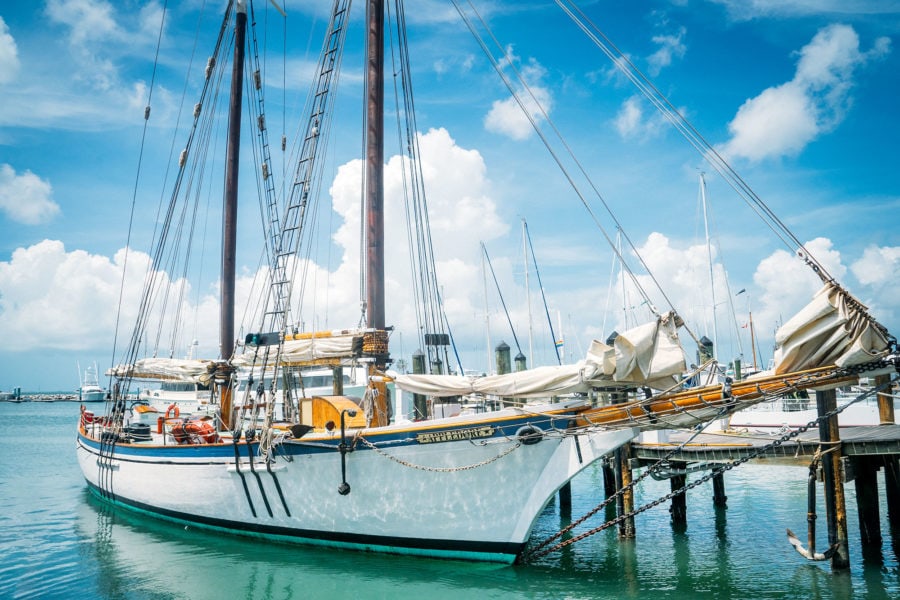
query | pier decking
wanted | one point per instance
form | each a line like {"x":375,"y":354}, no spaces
{"x":876,"y":440}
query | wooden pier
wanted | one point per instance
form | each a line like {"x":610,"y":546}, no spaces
{"x":853,"y":454}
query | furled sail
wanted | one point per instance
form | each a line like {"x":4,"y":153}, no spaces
{"x":649,"y":354}
{"x":833,"y":329}
{"x":307,"y":348}
{"x":173,"y":369}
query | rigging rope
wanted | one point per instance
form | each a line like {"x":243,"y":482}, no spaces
{"x":503,"y":302}
{"x":543,"y":296}
{"x":624,"y":64}
{"x":137,"y":178}
{"x":527,"y":113}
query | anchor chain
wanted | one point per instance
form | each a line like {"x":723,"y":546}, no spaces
{"x":400,"y":461}
{"x":535,"y":554}
{"x":624,"y":489}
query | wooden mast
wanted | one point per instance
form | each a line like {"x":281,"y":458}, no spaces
{"x":229,"y":225}
{"x":374,"y":164}
{"x":375,"y":196}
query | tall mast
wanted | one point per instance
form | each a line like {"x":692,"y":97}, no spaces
{"x":712,"y":281}
{"x":528,"y":292}
{"x":374,"y":164}
{"x":229,"y":226}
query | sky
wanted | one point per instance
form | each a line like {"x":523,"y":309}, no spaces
{"x":800,"y":96}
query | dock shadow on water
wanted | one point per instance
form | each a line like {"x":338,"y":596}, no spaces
{"x":59,"y":541}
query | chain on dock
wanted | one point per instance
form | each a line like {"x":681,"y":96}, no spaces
{"x":540,"y":550}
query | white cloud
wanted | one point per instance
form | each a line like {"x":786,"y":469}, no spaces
{"x":461,"y":214}
{"x":783,"y":119}
{"x":785,"y":284}
{"x":9,"y":54}
{"x":58,"y":299}
{"x":753,"y":9}
{"x":878,"y":266}
{"x":670,"y":46}
{"x":51,"y":297}
{"x":878,"y":269}
{"x":87,"y":20}
{"x":507,"y":117}
{"x":631,"y":122}
{"x":26,"y":198}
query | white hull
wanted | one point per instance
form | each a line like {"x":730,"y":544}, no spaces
{"x":91,"y":395}
{"x":481,"y":513}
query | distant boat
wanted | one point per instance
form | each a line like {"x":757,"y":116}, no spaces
{"x":90,"y":390}
{"x":13,"y":396}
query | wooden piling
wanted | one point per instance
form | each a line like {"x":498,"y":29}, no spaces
{"x":678,"y":510}
{"x":719,"y":498}
{"x":866,"y":482}
{"x":835,"y":503}
{"x":892,"y":491}
{"x":885,"y":401}
{"x":609,"y":480}
{"x":565,"y":501}
{"x":625,"y":500}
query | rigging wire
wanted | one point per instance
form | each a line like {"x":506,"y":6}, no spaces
{"x":137,"y":179}
{"x":152,"y":279}
{"x":527,"y":113}
{"x":543,"y":296}
{"x":691,"y":134}
{"x":499,"y":293}
{"x":430,"y":315}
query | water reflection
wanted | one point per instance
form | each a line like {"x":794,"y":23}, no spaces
{"x":735,"y":553}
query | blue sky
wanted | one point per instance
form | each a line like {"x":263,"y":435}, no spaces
{"x":801,"y":96}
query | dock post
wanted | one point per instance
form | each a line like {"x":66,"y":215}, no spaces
{"x":609,"y":480}
{"x":835,"y":503}
{"x":719,"y":498}
{"x":625,"y":500}
{"x":565,"y":500}
{"x":678,"y":510}
{"x":866,"y":482}
{"x":885,"y":401}
{"x":892,"y":493}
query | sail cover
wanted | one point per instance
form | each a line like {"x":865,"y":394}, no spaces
{"x":170,"y":369}
{"x":833,"y":329}
{"x":305,"y":348}
{"x":646,"y":355}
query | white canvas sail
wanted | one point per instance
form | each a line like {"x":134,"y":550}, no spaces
{"x":175,"y":369}
{"x":306,"y":348}
{"x":833,"y":329}
{"x":649,"y":354}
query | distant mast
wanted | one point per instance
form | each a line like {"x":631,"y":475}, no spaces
{"x":229,"y":218}
{"x":374,"y":164}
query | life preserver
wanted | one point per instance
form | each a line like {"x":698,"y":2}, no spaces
{"x":173,"y":411}
{"x":529,"y":435}
{"x":195,"y":432}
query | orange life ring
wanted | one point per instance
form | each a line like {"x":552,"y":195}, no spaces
{"x":173,"y":410}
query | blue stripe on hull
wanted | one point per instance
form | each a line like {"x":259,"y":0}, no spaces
{"x":454,"y":549}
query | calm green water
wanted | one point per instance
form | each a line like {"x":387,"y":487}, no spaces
{"x":57,"y":541}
